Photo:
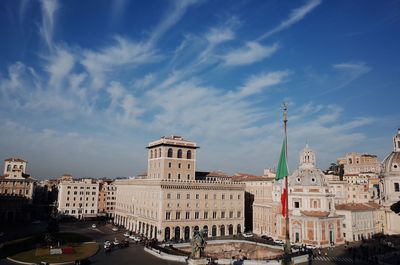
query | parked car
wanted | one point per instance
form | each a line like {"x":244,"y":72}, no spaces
{"x":268,"y":238}
{"x":124,"y":243}
{"x":116,"y":242}
{"x":127,"y":234}
{"x":248,"y":234}
{"x":311,"y":247}
{"x":94,"y":226}
{"x":278,"y":241}
{"x":115,"y":229}
{"x":135,"y":238}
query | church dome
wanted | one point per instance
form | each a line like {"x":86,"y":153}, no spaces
{"x":307,"y":174}
{"x":392,"y":162}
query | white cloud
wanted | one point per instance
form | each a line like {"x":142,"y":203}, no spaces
{"x":59,"y":66}
{"x":145,"y":81}
{"x":295,"y":16}
{"x":257,"y":83}
{"x":123,"y":53}
{"x":49,"y":8}
{"x":351,"y":71}
{"x":252,"y":52}
{"x":178,"y":10}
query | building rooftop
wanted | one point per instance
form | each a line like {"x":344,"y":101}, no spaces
{"x":14,"y":159}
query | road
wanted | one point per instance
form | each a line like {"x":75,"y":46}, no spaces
{"x":132,"y":255}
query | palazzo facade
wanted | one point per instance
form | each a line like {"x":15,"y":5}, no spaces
{"x":171,"y":203}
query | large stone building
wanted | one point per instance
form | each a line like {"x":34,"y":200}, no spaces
{"x":16,"y":191}
{"x":78,"y":198}
{"x":15,"y":181}
{"x":107,"y":197}
{"x":170,"y":202}
{"x":391,"y":186}
{"x":356,"y":163}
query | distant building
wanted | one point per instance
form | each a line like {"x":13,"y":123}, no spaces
{"x":171,"y":202}
{"x":15,"y":181}
{"x":78,"y":198}
{"x":260,"y":211}
{"x":16,"y":191}
{"x":391,"y":186}
{"x":356,"y":163}
{"x":107,"y":198}
{"x":362,"y":220}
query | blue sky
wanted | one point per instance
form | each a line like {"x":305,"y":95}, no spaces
{"x":85,"y":85}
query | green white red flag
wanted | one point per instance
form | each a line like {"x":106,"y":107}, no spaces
{"x":281,"y":176}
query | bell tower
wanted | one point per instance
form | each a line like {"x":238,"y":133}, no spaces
{"x":307,"y":158}
{"x":396,"y":141}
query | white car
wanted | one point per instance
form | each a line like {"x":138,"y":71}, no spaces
{"x":278,"y":241}
{"x":115,"y":229}
{"x":134,"y":238}
{"x":94,"y":226}
{"x":116,"y":242}
{"x":127,"y":234}
{"x":248,"y":234}
{"x":311,"y":247}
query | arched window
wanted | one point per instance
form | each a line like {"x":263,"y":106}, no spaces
{"x":159,"y":152}
{"x":151,"y":154}
{"x":179,"y":155}
{"x":396,"y":187}
{"x":9,"y":168}
{"x":350,"y":161}
{"x":15,"y":167}
{"x":315,"y":204}
{"x":170,"y":152}
{"x":155,"y":153}
{"x":189,"y":154}
{"x":21,"y":167}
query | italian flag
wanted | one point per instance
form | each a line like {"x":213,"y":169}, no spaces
{"x":281,"y":176}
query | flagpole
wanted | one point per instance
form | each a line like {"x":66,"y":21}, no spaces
{"x":287,"y":259}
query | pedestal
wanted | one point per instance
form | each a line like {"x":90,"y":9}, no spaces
{"x":201,"y":261}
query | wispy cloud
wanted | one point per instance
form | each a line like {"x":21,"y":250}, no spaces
{"x":252,"y":52}
{"x":255,"y":84}
{"x":177,"y":11}
{"x":59,"y":66}
{"x":49,"y":8}
{"x":351,"y":71}
{"x":295,"y":16}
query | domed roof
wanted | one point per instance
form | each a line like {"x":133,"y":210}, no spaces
{"x":391,"y":164}
{"x":307,"y":174}
{"x":307,"y":177}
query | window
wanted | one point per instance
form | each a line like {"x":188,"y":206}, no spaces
{"x":151,"y":154}
{"x":178,"y":215}
{"x":231,"y":196}
{"x":239,"y":197}
{"x":169,"y":196}
{"x":68,"y":192}
{"x":187,"y":215}
{"x":188,"y":166}
{"x":189,"y":153}
{"x":223,"y":214}
{"x":179,"y":165}
{"x":188,"y":196}
{"x":178,"y":196}
{"x":159,"y":152}
{"x":9,"y":168}
{"x":206,"y":196}
{"x":179,"y":176}
{"x":196,"y":215}
{"x":179,"y":154}
{"x":170,"y":152}
{"x":188,"y":176}
{"x":296,"y":205}
{"x":396,"y":187}
{"x":214,"y":215}
{"x":169,"y":175}
{"x":231,"y":214}
{"x":215,"y":196}
{"x":205,"y":215}
{"x":197,"y":196}
{"x":223,"y":196}
{"x":167,"y":215}
{"x":238,"y":214}
{"x":169,"y":165}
